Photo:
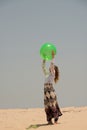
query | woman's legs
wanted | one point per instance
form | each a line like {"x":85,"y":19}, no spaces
{"x":48,"y":115}
{"x":51,"y":106}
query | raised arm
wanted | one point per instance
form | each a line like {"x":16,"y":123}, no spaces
{"x":52,"y":69}
{"x":44,"y":67}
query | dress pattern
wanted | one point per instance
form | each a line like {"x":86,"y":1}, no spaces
{"x":50,"y":102}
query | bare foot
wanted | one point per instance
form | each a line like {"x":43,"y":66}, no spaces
{"x":50,"y":123}
{"x":55,"y":123}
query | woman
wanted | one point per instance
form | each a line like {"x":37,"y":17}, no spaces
{"x":50,"y":99}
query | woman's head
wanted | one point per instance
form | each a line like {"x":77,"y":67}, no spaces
{"x":56,"y":74}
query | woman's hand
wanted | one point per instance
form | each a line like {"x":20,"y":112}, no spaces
{"x":53,"y":54}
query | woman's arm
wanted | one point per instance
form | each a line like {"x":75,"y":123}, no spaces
{"x":52,"y":69}
{"x":44,"y":67}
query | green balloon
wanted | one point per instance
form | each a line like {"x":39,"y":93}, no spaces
{"x":46,"y":51}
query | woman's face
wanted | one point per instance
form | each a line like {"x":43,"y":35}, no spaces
{"x":50,"y":68}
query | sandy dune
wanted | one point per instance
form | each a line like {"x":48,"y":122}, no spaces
{"x":73,"y":118}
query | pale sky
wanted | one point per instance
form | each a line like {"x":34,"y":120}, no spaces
{"x":24,"y":26}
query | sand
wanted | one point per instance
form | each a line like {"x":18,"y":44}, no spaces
{"x":73,"y":118}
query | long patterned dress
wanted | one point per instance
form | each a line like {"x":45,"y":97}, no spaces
{"x":50,"y":99}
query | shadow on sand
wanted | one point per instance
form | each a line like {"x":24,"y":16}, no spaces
{"x":36,"y":126}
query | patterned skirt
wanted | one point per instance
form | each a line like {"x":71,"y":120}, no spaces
{"x":50,"y":102}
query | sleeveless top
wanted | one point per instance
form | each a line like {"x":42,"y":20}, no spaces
{"x":49,"y":75}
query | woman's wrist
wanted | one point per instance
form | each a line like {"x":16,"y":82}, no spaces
{"x":52,"y":61}
{"x":44,"y":61}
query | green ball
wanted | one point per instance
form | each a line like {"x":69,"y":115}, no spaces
{"x":46,"y":51}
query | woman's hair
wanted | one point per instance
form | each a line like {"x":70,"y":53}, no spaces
{"x":56,"y":74}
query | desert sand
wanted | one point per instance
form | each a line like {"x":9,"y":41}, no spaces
{"x":73,"y":118}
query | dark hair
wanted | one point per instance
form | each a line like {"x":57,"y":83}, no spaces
{"x":56,"y":74}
